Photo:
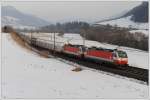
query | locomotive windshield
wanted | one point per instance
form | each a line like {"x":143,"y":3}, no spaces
{"x":122,"y":54}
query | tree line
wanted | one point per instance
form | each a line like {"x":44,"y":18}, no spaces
{"x":116,"y":35}
{"x":102,"y":33}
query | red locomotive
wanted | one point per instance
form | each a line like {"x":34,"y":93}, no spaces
{"x":72,"y":49}
{"x":114,"y":56}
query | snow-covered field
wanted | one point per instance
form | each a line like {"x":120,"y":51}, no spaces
{"x":71,"y":36}
{"x":12,"y":21}
{"x":126,"y":22}
{"x":26,"y":75}
{"x":146,"y":32}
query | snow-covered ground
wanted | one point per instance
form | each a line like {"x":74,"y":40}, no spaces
{"x":26,"y":75}
{"x":14,"y":22}
{"x":126,"y":22}
{"x":146,"y":32}
{"x":72,"y":36}
{"x":10,"y":19}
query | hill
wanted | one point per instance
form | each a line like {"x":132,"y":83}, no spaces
{"x":136,"y":18}
{"x":12,"y":16}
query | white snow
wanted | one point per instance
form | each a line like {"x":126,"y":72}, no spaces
{"x":12,"y":21}
{"x":26,"y":75}
{"x":10,"y":18}
{"x":15,"y":26}
{"x":146,"y":32}
{"x":24,"y":27}
{"x":72,"y":36}
{"x":126,"y":22}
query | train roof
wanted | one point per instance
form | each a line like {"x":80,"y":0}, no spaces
{"x":100,"y":48}
{"x":75,"y":45}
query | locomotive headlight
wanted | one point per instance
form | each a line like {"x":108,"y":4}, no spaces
{"x":119,"y":59}
{"x":125,"y":59}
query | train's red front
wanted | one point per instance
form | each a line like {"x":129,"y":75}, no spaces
{"x":117,"y":57}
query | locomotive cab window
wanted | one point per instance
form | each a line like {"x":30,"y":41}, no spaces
{"x":83,"y":48}
{"x":122,"y":54}
{"x":114,"y":55}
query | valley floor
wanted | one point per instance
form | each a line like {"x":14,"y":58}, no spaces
{"x":26,"y":75}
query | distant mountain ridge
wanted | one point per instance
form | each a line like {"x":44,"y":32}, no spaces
{"x":136,"y":18}
{"x":120,"y":15}
{"x":11,"y":16}
{"x":139,"y":14}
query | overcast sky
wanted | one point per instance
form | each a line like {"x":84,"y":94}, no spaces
{"x":71,"y":11}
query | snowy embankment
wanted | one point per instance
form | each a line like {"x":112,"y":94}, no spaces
{"x":146,"y":32}
{"x":26,"y":75}
{"x":127,"y":23}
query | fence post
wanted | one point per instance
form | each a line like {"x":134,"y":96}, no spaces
{"x":54,"y":43}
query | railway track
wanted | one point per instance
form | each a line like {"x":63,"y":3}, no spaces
{"x":129,"y":71}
